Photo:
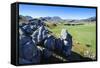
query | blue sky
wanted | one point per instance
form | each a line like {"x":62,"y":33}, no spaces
{"x":64,"y":12}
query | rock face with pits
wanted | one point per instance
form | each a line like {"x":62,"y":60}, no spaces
{"x":36,"y":41}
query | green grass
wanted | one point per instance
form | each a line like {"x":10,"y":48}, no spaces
{"x":84,"y":34}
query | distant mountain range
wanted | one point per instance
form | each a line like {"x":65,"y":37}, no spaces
{"x":24,"y":19}
{"x":56,"y":19}
{"x":90,"y":19}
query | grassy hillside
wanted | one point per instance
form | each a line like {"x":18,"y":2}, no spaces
{"x":84,"y":37}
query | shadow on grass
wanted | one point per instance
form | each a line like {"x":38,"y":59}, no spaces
{"x":77,"y":57}
{"x":74,"y":57}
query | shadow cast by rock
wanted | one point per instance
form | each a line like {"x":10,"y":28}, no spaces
{"x":77,"y":57}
